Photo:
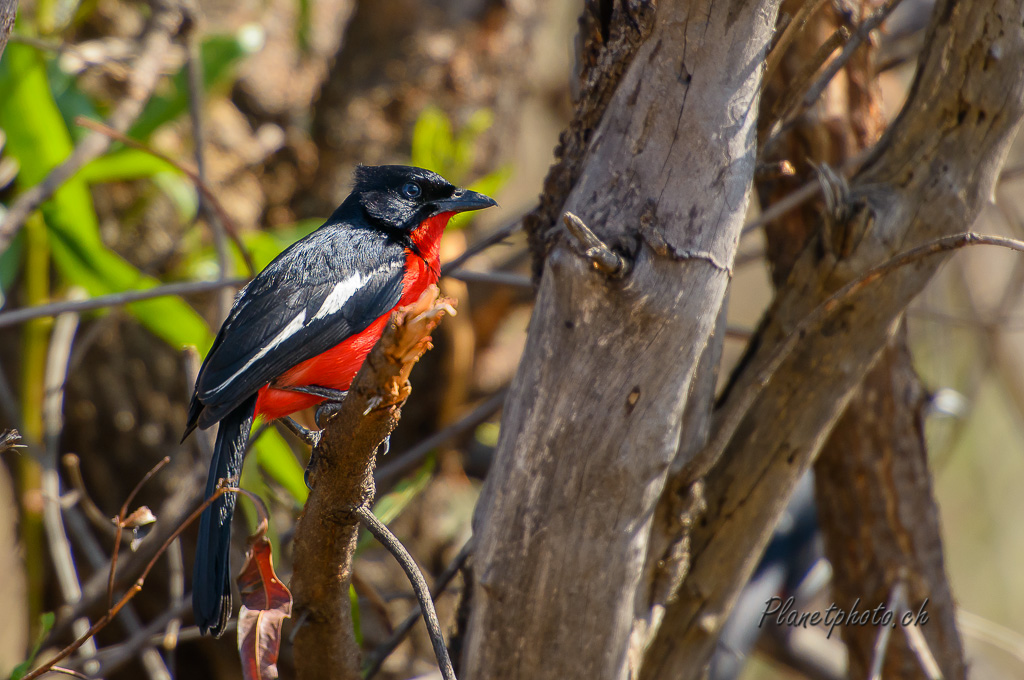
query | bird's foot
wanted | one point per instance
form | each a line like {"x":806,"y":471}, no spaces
{"x":311,"y":437}
{"x":328,"y":393}
{"x":326,"y":411}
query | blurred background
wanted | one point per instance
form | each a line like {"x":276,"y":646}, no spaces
{"x":245,"y":121}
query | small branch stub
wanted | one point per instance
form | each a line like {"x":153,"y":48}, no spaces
{"x":601,"y":257}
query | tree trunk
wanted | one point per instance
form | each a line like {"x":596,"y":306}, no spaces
{"x":564,"y":524}
{"x":929,"y":177}
{"x":880,"y":520}
{"x":876,"y":510}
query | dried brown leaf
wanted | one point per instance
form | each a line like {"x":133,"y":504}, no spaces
{"x":266,"y":603}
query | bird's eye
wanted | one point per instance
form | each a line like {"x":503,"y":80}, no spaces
{"x":411,"y":190}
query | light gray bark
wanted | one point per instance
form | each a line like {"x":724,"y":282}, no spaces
{"x":593,"y":420}
{"x":930,"y":177}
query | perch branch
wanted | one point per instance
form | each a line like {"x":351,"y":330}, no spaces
{"x":341,"y":478}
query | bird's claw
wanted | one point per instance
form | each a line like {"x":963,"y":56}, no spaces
{"x":326,"y":411}
{"x":311,"y":437}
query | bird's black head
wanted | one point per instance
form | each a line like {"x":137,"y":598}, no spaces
{"x":399,"y":197}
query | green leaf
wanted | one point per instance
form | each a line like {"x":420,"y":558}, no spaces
{"x":275,"y":457}
{"x":357,"y":621}
{"x":435,"y":147}
{"x":124,"y":165}
{"x":219,"y":55}
{"x":39,"y":139}
{"x":46,"y":621}
{"x":10,"y":265}
{"x":71,"y":101}
{"x":432,"y":141}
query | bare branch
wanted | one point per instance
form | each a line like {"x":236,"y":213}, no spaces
{"x":18,"y":316}
{"x":382,"y":652}
{"x":132,"y":592}
{"x":395,"y":547}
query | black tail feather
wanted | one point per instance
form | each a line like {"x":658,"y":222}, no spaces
{"x":211,"y":576}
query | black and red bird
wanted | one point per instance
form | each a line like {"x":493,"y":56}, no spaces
{"x":297,"y":334}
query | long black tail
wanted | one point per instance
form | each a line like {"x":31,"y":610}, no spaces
{"x":211,"y":577}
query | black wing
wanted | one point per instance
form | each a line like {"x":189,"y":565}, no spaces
{"x":320,"y":291}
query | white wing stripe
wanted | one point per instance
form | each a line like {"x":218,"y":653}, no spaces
{"x":333,"y":303}
{"x":291,"y":329}
{"x":339,"y":295}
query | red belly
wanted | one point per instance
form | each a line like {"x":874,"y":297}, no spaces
{"x":337,"y":367}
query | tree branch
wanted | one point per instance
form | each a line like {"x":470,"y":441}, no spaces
{"x":342,"y":481}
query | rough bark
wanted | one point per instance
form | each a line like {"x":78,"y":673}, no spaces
{"x":929,"y":177}
{"x":341,"y":480}
{"x":880,"y":520}
{"x":564,"y":523}
{"x":8,"y":11}
{"x":877,"y":514}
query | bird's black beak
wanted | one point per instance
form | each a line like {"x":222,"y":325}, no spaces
{"x":464,"y":200}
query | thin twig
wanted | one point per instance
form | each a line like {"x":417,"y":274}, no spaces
{"x":53,"y":422}
{"x":897,"y":597}
{"x":133,"y":591}
{"x":781,"y":46}
{"x":497,"y":278}
{"x":858,"y":37}
{"x":119,"y":527}
{"x":737,"y":408}
{"x":194,"y":73}
{"x":207,"y":193}
{"x":494,"y":238}
{"x":73,"y":467}
{"x":419,"y":585}
{"x":1009,"y":641}
{"x":19,"y":316}
{"x":384,"y":650}
{"x":919,"y":646}
{"x":398,"y":465}
{"x":176,"y":593}
{"x":144,"y":75}
{"x":68,"y":671}
{"x":129,"y":619}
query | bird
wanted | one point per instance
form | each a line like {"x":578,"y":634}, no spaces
{"x":299,"y":331}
